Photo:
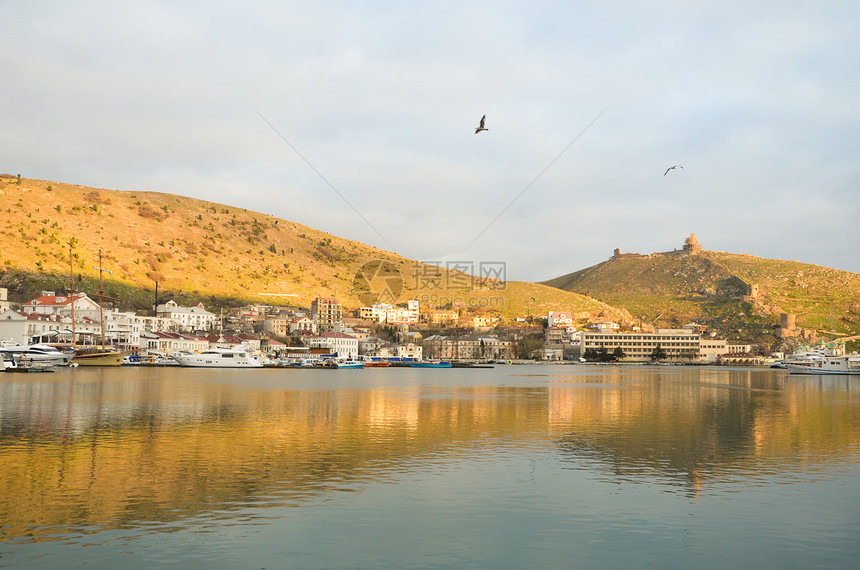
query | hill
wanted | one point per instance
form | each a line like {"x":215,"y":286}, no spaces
{"x":742,"y":296}
{"x":200,"y":250}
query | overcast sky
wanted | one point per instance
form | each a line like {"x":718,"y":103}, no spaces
{"x":358,"y":118}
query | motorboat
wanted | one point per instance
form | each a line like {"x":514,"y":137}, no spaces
{"x":10,"y":362}
{"x":825,"y":364}
{"x":155,"y":358}
{"x":36,"y":353}
{"x":348,"y":364}
{"x":218,"y":358}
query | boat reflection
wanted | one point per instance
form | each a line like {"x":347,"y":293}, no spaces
{"x":111,"y":448}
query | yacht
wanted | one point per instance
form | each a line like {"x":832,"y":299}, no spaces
{"x":218,"y":358}
{"x":37,"y":353}
{"x":825,"y":364}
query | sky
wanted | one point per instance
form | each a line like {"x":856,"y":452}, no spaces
{"x":359,"y":118}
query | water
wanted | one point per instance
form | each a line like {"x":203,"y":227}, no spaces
{"x":511,"y":467}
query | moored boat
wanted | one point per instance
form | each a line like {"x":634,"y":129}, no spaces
{"x":824,"y":364}
{"x":218,"y":358}
{"x":431,"y":364}
{"x":98,"y":357}
{"x":11,"y":363}
{"x":348,"y":364}
{"x":37,"y":354}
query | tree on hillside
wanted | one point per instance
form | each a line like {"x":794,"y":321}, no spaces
{"x":658,"y":353}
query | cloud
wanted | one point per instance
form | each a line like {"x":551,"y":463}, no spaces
{"x":757,"y":101}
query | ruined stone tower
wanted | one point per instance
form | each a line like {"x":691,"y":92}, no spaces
{"x":691,"y":245}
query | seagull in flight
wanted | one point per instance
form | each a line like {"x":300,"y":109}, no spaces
{"x":481,"y":127}
{"x":672,"y":168}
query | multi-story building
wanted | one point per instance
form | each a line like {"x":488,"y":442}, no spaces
{"x":50,"y":304}
{"x":277,"y":325}
{"x":326,"y":313}
{"x":676,"y":344}
{"x":560,"y":319}
{"x":397,"y":316}
{"x":443,"y":317}
{"x":466,"y":348}
{"x":409,"y":350}
{"x":335,"y":342}
{"x":711,"y":349}
{"x":170,"y":342}
{"x":302,"y":325}
{"x":188,"y":319}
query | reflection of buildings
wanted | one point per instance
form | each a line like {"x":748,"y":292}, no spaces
{"x":156,"y":447}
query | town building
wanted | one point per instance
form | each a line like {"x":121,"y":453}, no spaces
{"x":469,"y":347}
{"x":188,"y":319}
{"x":50,"y":304}
{"x":604,"y":326}
{"x":278,"y":325}
{"x":712,"y":349}
{"x":302,"y":325}
{"x":339,"y":343}
{"x":443,"y":317}
{"x":170,"y":342}
{"x":409,"y":351}
{"x":326,"y":313}
{"x":560,"y":319}
{"x":678,"y":345}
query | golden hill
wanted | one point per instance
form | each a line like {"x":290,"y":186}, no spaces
{"x":199,"y":249}
{"x":736,"y":294}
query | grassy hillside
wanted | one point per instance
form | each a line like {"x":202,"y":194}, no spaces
{"x":203,"y":250}
{"x":670,"y":289}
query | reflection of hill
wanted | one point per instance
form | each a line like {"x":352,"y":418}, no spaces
{"x":687,"y":433}
{"x":114,"y":452}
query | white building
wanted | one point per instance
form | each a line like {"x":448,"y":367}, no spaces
{"x":409,"y":350}
{"x":678,"y":345}
{"x":711,"y":349}
{"x":335,"y":342}
{"x":5,"y":305}
{"x":605,"y":326}
{"x":188,"y":319}
{"x":50,"y":304}
{"x":398,"y":316}
{"x":170,"y":342}
{"x":302,"y":324}
{"x":23,"y":328}
{"x":560,"y":319}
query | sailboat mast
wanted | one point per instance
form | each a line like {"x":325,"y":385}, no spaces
{"x":72,"y":293}
{"x":101,"y":300}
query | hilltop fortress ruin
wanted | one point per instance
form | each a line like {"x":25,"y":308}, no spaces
{"x":691,"y":247}
{"x":787,"y":328}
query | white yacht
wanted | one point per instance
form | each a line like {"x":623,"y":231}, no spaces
{"x":824,"y":364}
{"x":37,"y":353}
{"x":218,"y":358}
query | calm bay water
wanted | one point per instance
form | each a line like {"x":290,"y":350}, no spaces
{"x":511,"y":467}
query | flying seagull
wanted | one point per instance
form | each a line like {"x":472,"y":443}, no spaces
{"x":481,"y":127}
{"x":672,"y":168}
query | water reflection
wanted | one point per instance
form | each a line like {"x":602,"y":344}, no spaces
{"x":87,"y":450}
